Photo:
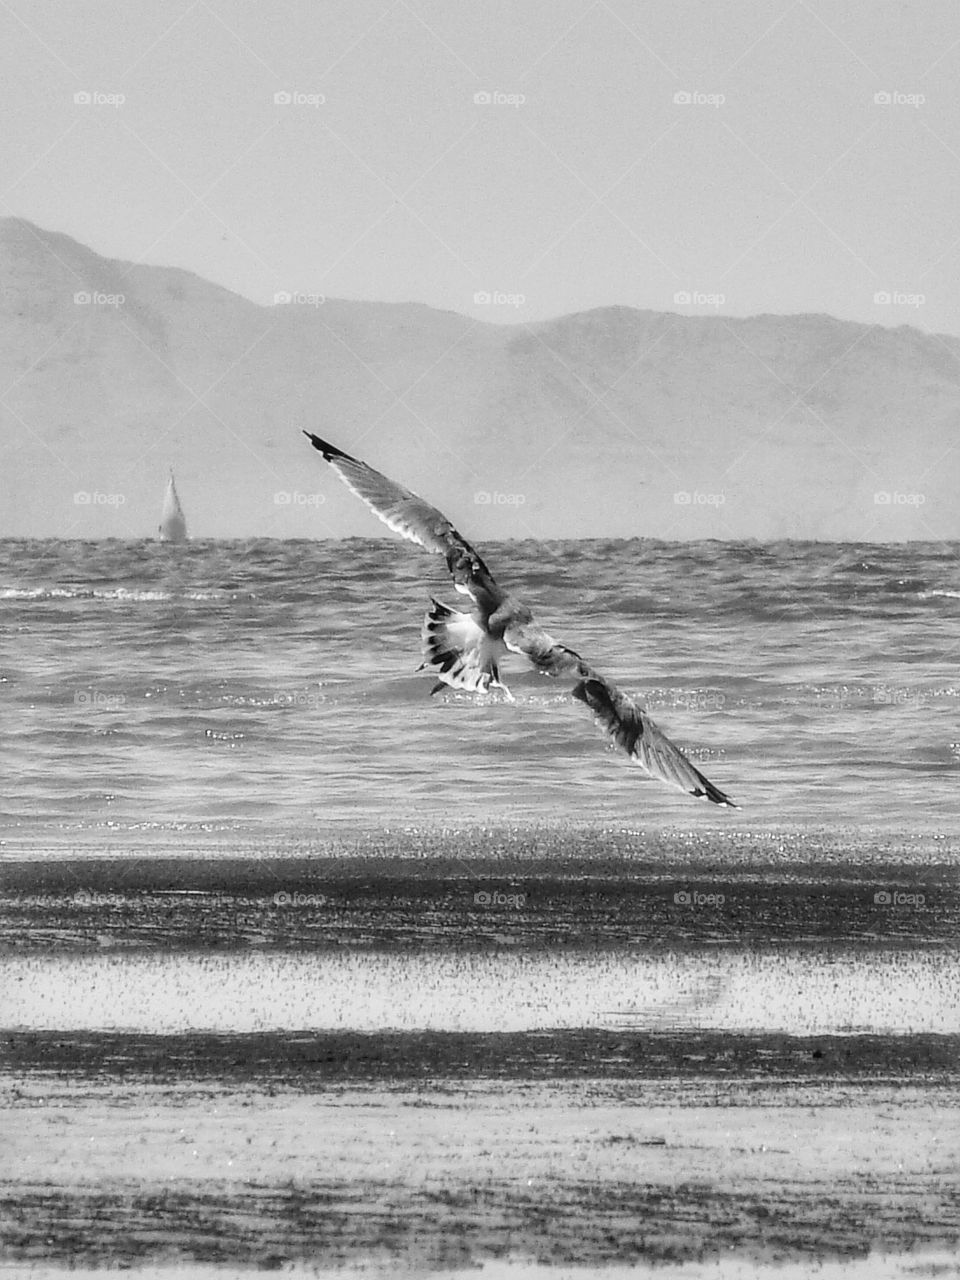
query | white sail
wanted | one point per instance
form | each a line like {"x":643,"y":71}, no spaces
{"x":173,"y":524}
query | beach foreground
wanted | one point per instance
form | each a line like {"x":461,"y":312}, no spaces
{"x":244,"y":1163}
{"x":369,"y":1068}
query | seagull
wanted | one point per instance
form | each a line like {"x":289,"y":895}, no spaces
{"x":464,"y":648}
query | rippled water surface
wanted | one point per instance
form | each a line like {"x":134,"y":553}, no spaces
{"x":269,"y":689}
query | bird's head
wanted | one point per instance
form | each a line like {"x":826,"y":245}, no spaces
{"x":463,"y":566}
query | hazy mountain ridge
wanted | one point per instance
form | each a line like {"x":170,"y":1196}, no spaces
{"x":597,"y":423}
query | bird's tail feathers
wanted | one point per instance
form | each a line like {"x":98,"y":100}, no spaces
{"x":461,"y":654}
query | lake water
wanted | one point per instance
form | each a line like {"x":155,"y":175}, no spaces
{"x":252,"y":694}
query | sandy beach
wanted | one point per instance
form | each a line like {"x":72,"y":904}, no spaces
{"x":134,"y":1158}
{"x":364,"y":1068}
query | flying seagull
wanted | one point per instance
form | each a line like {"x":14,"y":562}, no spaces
{"x":465,"y":648}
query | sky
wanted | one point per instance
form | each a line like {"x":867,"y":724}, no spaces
{"x":509,"y":161}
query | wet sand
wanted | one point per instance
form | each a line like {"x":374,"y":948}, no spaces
{"x":311,"y":1060}
{"x":440,"y":1177}
{"x":218,"y":1150}
{"x":589,"y":891}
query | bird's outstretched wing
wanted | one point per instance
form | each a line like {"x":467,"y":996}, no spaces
{"x":415,"y":520}
{"x":625,"y":721}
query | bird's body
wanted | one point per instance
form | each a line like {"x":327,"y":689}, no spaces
{"x":464,"y":647}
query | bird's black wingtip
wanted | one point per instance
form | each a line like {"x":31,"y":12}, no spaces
{"x":715,"y":796}
{"x":329,"y":451}
{"x":707,"y":791}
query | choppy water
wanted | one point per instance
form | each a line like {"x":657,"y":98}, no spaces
{"x":261,"y":691}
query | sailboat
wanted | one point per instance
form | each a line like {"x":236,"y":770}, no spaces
{"x":173,"y":523}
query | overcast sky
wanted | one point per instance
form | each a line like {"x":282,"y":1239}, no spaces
{"x":781,"y":184}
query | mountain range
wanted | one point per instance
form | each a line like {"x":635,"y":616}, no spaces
{"x":609,"y":422}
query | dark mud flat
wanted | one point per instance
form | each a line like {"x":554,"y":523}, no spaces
{"x":412,"y":903}
{"x":307,"y":1060}
{"x":446,"y":1175}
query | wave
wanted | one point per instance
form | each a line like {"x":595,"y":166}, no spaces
{"x":122,"y":594}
